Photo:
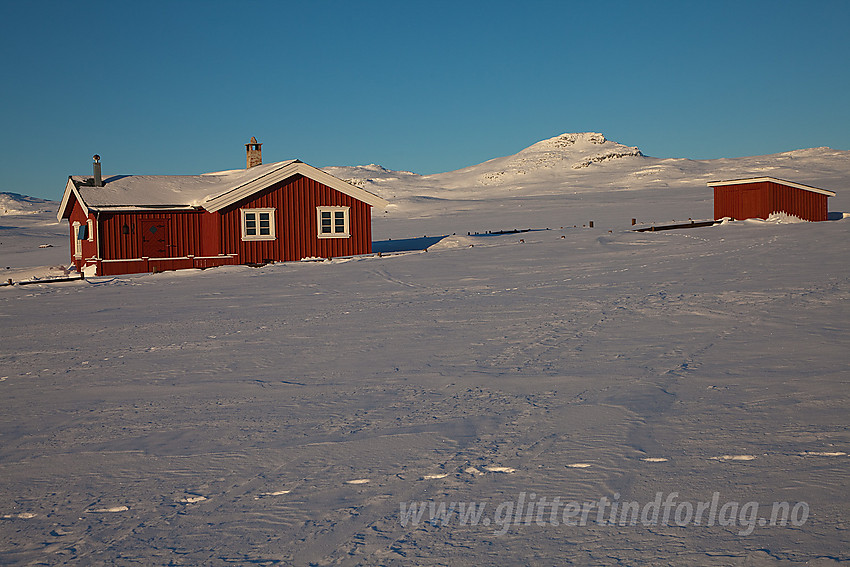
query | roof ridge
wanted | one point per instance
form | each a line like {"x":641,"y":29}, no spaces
{"x":254,"y":179}
{"x":210,"y":192}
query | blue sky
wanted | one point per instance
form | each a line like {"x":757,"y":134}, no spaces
{"x":179,"y":87}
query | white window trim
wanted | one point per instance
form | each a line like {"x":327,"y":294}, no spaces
{"x":90,"y":222}
{"x":332,"y":210}
{"x":272,"y":222}
{"x":78,"y":244}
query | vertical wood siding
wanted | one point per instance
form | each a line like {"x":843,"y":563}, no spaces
{"x":184,"y":233}
{"x":88,"y":248}
{"x":204,"y":234}
{"x":807,"y":205}
{"x":295,"y":201}
{"x":759,"y":200}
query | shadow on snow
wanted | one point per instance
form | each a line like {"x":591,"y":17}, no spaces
{"x":405,"y":244}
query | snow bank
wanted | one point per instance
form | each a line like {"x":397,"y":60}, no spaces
{"x":454,"y":242}
{"x":781,"y":217}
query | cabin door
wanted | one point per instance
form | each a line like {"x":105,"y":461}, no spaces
{"x":154,"y":238}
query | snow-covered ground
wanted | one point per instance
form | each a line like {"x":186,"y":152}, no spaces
{"x":290,"y":414}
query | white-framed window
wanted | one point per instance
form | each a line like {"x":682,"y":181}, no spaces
{"x":90,"y":235}
{"x":332,"y":222}
{"x":258,"y":224}
{"x":78,"y":239}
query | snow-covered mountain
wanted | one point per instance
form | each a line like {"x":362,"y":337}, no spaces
{"x":553,"y":156}
{"x":546,"y":160}
{"x":571,"y":179}
{"x":580,"y":162}
{"x":372,"y":175}
{"x":17,"y":204}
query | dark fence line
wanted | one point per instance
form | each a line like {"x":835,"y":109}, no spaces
{"x":50,"y":280}
{"x":692,"y":224}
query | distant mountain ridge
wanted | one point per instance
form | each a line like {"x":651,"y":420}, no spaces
{"x":12,"y":204}
{"x":566,"y":151}
{"x":588,"y":161}
{"x":574,"y":151}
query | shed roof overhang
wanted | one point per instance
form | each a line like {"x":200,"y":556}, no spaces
{"x":771,"y":180}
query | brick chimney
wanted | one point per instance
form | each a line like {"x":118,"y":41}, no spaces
{"x":254,"y":153}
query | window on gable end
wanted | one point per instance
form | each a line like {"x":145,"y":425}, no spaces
{"x":333,"y":222}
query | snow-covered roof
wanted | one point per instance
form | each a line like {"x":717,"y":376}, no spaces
{"x":771,"y":180}
{"x":210,"y":191}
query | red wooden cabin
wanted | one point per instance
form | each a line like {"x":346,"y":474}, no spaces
{"x":759,"y":197}
{"x":275,"y":212}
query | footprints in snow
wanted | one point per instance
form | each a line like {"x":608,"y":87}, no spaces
{"x":823,"y":454}
{"x":468,"y":470}
{"x":271,"y":494}
{"x":191,"y":499}
{"x":745,"y":458}
{"x":194,"y":498}
{"x":110,"y":510}
{"x":495,"y":469}
{"x":474,"y":472}
{"x":21,"y":516}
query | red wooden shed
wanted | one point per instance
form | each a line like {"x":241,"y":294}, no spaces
{"x":759,"y":197}
{"x":275,"y":212}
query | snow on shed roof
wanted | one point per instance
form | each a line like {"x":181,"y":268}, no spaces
{"x":210,"y":191}
{"x":771,"y":180}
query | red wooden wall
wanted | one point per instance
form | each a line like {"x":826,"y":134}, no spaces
{"x":88,"y":247}
{"x":207,"y":236}
{"x":759,"y":200}
{"x":295,"y":201}
{"x":184,"y":233}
